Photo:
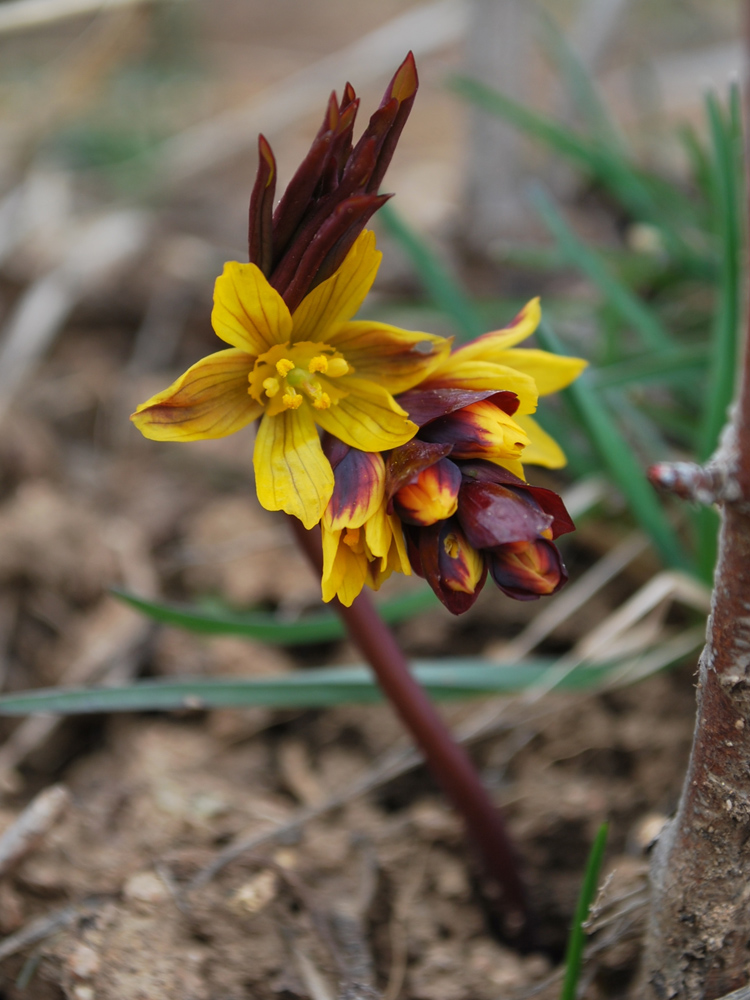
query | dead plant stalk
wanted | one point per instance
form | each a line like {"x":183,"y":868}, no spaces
{"x":699,"y":928}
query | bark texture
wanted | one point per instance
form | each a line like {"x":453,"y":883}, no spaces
{"x":698,"y":941}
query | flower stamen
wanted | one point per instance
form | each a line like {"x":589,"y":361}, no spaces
{"x":336,"y":367}
{"x":292,"y":399}
{"x":284,"y":366}
{"x":271,"y":386}
{"x":318,"y":364}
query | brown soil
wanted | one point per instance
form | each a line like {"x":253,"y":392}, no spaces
{"x":379,"y":891}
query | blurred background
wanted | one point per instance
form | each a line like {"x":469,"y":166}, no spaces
{"x":564,"y":149}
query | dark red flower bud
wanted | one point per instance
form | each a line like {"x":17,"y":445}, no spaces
{"x":433,"y":496}
{"x":451,"y":566}
{"x":331,"y":196}
{"x":487,"y":472}
{"x":492,"y":515}
{"x":527,"y":570}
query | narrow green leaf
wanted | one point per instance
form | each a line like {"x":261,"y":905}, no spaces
{"x":726,"y":142}
{"x":728,"y":198}
{"x":439,"y":283}
{"x":612,"y":170}
{"x":460,"y":677}
{"x":630,"y":308}
{"x":618,"y":458}
{"x":577,"y":938}
{"x":581,"y":89}
{"x":318,"y":626}
{"x":664,"y":367}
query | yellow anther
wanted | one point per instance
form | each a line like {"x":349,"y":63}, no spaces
{"x":292,"y":400}
{"x":322,"y":402}
{"x":336,"y":367}
{"x":271,"y":385}
{"x":451,"y":546}
{"x":284,"y":366}
{"x":318,"y":364}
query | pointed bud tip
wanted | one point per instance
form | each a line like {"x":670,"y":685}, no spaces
{"x":266,"y":153}
{"x":405,"y":81}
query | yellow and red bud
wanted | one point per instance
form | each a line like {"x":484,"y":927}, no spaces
{"x":433,"y":496}
{"x":461,"y":566}
{"x":480,"y":430}
{"x":452,"y":567}
{"x":527,"y":570}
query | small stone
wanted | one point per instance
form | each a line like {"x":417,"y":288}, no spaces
{"x":84,"y":962}
{"x":256,"y":893}
{"x":145,"y":887}
{"x":83,"y":993}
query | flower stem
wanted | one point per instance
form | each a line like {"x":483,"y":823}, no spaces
{"x":447,"y":760}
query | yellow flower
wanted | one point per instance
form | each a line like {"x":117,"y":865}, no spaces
{"x":362,"y":543}
{"x":315,"y":367}
{"x":492,"y":361}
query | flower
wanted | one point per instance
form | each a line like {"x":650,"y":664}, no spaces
{"x":296,"y":359}
{"x":457,"y":489}
{"x":297,"y":372}
{"x":362,"y":543}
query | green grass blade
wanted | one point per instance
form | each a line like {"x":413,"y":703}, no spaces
{"x":439,"y":283}
{"x":618,"y":458}
{"x":664,"y":367}
{"x":631,"y":309}
{"x":726,"y":142}
{"x":728,"y":198}
{"x":318,"y":626}
{"x":582,"y":92}
{"x":461,"y":677}
{"x":613,"y":171}
{"x":577,"y":939}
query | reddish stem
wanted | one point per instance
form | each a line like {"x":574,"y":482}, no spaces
{"x":448,"y":761}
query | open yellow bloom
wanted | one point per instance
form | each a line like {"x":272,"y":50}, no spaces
{"x":315,"y":367}
{"x":492,"y":361}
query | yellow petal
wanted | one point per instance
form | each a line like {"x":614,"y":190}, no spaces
{"x":513,"y":465}
{"x":338,"y":298}
{"x":291,"y":471}
{"x":378,"y":533}
{"x":368,"y":418}
{"x":209,"y":401}
{"x":247,"y":312}
{"x":396,"y":359}
{"x":344,"y":571}
{"x":480,"y":375}
{"x":551,"y":372}
{"x":541,"y":449}
{"x":488,"y":345}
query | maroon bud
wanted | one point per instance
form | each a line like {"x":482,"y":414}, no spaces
{"x":526,"y":571}
{"x":451,"y":566}
{"x":492,"y":515}
{"x":479,"y":471}
{"x":259,"y":239}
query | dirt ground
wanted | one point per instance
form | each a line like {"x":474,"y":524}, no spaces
{"x":351,"y":882}
{"x":338,"y":887}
